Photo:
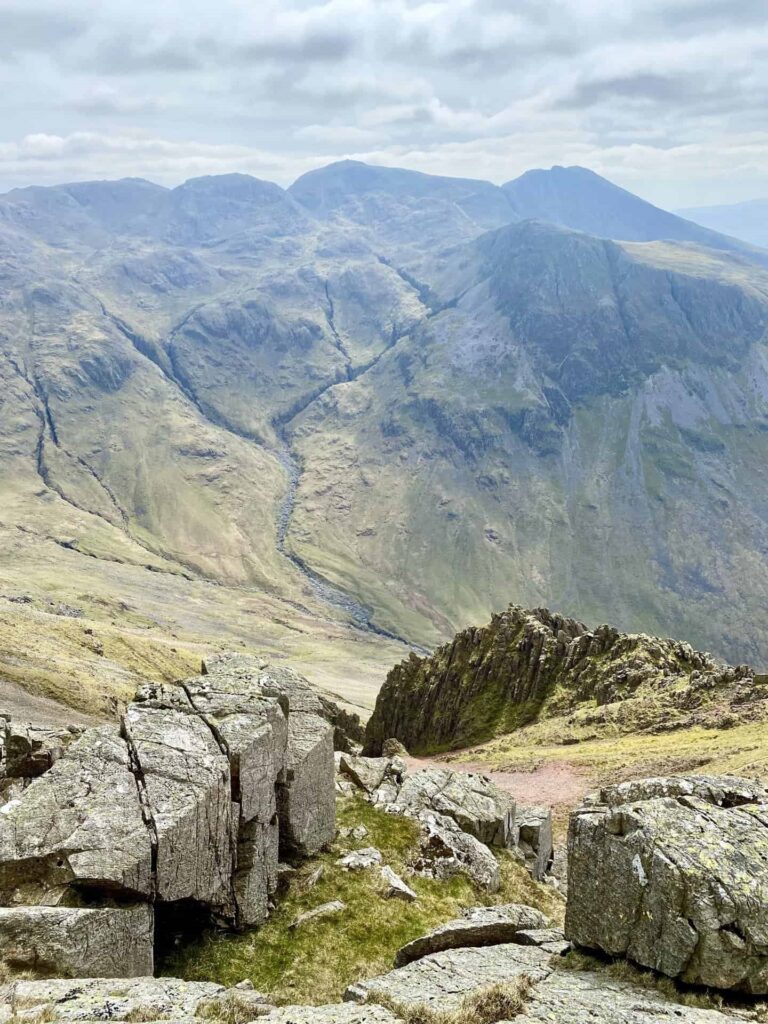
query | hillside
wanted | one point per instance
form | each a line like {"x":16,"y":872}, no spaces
{"x":263,"y":416}
{"x":536,"y":667}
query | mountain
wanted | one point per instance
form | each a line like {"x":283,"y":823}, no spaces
{"x":532,"y":666}
{"x":403,"y":209}
{"x":577,"y":198}
{"x":747,"y":221}
{"x":362,"y":411}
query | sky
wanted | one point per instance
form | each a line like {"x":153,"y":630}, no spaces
{"x":668,"y":98}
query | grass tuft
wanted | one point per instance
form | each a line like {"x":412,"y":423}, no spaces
{"x":488,"y":1006}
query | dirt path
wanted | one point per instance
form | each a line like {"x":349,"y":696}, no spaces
{"x":16,"y":703}
{"x":558,"y":784}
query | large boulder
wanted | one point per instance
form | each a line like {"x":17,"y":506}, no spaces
{"x":445,"y":850}
{"x":473,"y":801}
{"x":186,"y":803}
{"x":480,"y":926}
{"x":69,"y":942}
{"x":306,"y":799}
{"x":673,"y":873}
{"x":81,"y":824}
{"x":186,"y":780}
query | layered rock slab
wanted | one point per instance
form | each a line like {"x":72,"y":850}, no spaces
{"x":571,"y":997}
{"x":673,"y":873}
{"x":442,"y":980}
{"x":71,"y":941}
{"x":120,"y":999}
{"x":480,"y":926}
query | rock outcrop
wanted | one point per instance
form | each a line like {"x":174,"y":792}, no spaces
{"x":529,"y":664}
{"x":472,"y":801}
{"x":480,"y":926}
{"x":186,"y":802}
{"x":673,"y":874}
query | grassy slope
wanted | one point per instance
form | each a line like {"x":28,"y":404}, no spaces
{"x":315,"y":963}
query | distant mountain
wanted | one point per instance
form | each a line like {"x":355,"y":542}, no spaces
{"x":367,"y":395}
{"x":405,"y":208}
{"x":577,"y":198}
{"x":748,"y":221}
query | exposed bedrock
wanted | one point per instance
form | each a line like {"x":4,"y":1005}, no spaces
{"x":187,"y":801}
{"x":673,"y":874}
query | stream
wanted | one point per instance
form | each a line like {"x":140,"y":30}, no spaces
{"x":323,"y":589}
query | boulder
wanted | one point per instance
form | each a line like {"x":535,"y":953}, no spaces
{"x":445,"y":851}
{"x":285,"y":683}
{"x":360,"y":860}
{"x":29,"y":752}
{"x":673,"y":873}
{"x":82,"y":824}
{"x":473,"y":801}
{"x":186,"y":781}
{"x":533,"y":829}
{"x":585,"y":997}
{"x":395,"y":887}
{"x":550,"y":939}
{"x":306,"y":799}
{"x":366,"y":772}
{"x":69,"y":942}
{"x":480,"y":926}
{"x":442,"y":980}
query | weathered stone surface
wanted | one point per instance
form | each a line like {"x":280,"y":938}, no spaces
{"x":341,"y":1013}
{"x":445,"y":850}
{"x":367,"y":772}
{"x":533,"y":829}
{"x":28,"y":752}
{"x":576,"y":997}
{"x":395,"y":888}
{"x":324,"y":910}
{"x":473,"y":801}
{"x":442,"y":980}
{"x":256,"y":874}
{"x":186,"y":780}
{"x":480,"y":926}
{"x":360,"y":860}
{"x":253,"y":730}
{"x":720,"y":790}
{"x":71,"y":941}
{"x":675,"y":882}
{"x":285,"y":683}
{"x":80,"y":823}
{"x":118,"y":999}
{"x":550,"y":939}
{"x":306,"y":801}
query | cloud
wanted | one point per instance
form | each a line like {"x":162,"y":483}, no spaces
{"x":483,"y":88}
{"x":24,"y":28}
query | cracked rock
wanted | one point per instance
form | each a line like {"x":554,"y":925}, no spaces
{"x":675,"y":878}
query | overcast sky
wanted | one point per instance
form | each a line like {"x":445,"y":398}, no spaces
{"x":668,"y":98}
